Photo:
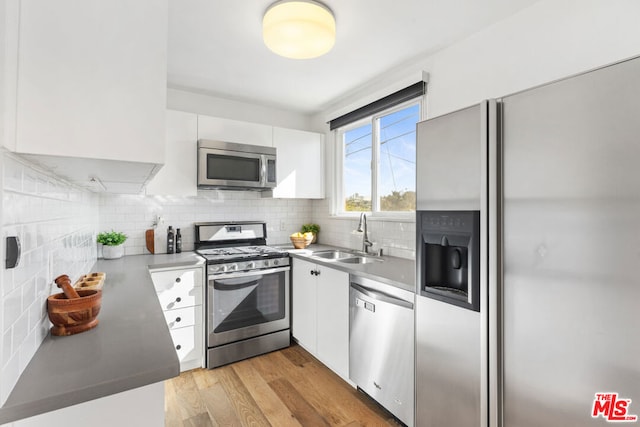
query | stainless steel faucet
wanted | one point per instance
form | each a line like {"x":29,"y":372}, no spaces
{"x":362,"y":228}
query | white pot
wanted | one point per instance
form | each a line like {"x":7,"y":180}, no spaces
{"x":112,"y":252}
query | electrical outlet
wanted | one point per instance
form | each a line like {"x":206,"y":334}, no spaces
{"x":283,"y":225}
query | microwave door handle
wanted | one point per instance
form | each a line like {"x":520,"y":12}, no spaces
{"x":263,"y":170}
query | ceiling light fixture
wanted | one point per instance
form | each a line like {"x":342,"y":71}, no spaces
{"x":299,"y":29}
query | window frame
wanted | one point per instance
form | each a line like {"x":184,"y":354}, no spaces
{"x":338,"y":136}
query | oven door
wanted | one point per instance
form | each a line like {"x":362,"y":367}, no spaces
{"x":247,"y":304}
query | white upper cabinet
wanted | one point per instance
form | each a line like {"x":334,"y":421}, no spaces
{"x":90,"y":79}
{"x":228,"y":130}
{"x":178,"y":177}
{"x":300,"y":164}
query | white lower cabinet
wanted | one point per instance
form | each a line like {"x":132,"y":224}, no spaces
{"x":180,"y":292}
{"x":142,"y":406}
{"x":320,"y":313}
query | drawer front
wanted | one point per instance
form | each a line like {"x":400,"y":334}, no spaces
{"x":178,"y":297}
{"x":183,"y":279}
{"x":182,"y":317}
{"x":188,"y":342}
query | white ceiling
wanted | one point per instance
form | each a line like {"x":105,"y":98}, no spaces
{"x":216,"y":48}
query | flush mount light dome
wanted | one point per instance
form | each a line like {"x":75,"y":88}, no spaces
{"x":299,"y":29}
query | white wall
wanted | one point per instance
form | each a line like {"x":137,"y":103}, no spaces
{"x":56,"y":224}
{"x":236,"y":110}
{"x":550,"y":40}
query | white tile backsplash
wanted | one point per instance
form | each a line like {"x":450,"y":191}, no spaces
{"x":396,"y":238}
{"x":56,"y":223}
{"x":133,"y":215}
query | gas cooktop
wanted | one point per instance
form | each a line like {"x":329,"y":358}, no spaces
{"x":240,"y":253}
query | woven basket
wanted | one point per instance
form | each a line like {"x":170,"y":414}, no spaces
{"x":301,"y":242}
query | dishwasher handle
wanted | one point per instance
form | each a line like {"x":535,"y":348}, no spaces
{"x":380,"y":296}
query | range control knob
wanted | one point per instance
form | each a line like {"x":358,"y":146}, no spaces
{"x":266,"y":263}
{"x":250,"y":265}
{"x":232,"y":267}
{"x":276,"y":262}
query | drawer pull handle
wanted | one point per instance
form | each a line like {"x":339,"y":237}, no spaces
{"x":178,"y":319}
{"x":178,"y":299}
{"x":178,"y":347}
{"x":178,"y":280}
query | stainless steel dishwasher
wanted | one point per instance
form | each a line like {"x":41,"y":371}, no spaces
{"x":381,"y":344}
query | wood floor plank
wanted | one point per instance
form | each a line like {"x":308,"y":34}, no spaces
{"x":276,"y":365}
{"x":246,"y":408}
{"x":220,"y":409}
{"x":269,"y":402}
{"x":187,"y":396}
{"x":200,"y":420}
{"x":204,"y":378}
{"x":284,"y":388}
{"x":172,"y":416}
{"x":297,"y":355}
{"x":269,"y":368}
{"x":349,"y":400}
{"x":298,"y":405}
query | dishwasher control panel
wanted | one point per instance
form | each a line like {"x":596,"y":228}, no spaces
{"x":365,"y":304}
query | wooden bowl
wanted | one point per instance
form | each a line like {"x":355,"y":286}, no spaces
{"x":301,"y":242}
{"x":72,"y":316}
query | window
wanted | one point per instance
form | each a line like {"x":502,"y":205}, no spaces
{"x":377,"y":162}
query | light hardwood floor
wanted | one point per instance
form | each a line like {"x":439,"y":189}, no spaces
{"x":284,"y":388}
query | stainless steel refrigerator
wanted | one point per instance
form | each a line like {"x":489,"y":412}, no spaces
{"x":528,"y":256}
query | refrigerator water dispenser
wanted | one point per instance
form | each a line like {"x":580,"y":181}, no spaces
{"x":448,"y":257}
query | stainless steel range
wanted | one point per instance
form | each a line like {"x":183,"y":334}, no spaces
{"x":247,"y":295}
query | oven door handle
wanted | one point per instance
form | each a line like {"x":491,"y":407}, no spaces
{"x":218,"y":285}
{"x":248,"y":273}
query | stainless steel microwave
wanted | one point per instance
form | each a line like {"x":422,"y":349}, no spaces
{"x":236,"y":166}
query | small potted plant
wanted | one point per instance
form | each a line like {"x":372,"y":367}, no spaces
{"x":112,"y":244}
{"x":311,"y":228}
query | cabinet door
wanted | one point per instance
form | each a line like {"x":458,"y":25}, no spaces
{"x":181,"y":317}
{"x":188,"y":344}
{"x":300,"y":166}
{"x":166,"y":280}
{"x":303,"y":297}
{"x":178,"y":297}
{"x":178,"y":176}
{"x":219,"y":129}
{"x":92,"y":83}
{"x":333,"y":320}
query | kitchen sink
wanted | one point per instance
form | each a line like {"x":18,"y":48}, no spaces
{"x":334,"y":254}
{"x":346,"y":257}
{"x":359,"y":260}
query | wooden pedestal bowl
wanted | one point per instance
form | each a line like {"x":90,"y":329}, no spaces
{"x":75,"y":315}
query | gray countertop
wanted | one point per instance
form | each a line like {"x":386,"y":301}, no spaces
{"x":399,"y":272}
{"x":131,"y":347}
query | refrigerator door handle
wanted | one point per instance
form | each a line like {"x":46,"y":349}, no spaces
{"x":494,"y":263}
